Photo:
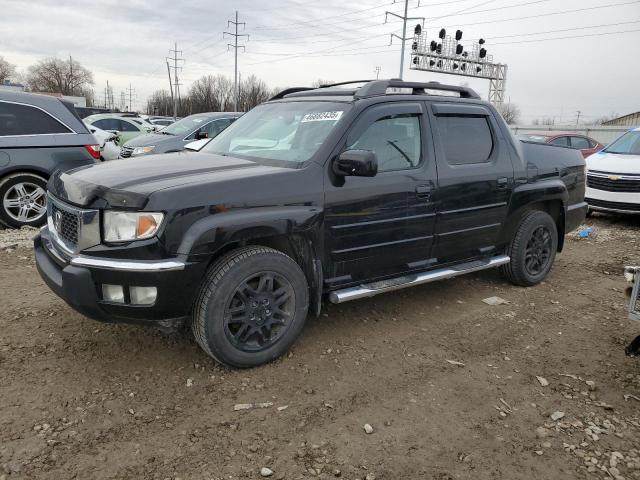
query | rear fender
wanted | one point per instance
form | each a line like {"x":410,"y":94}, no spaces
{"x":550,"y":196}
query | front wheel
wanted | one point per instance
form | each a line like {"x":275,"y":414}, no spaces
{"x":251,"y":308}
{"x":532,"y":249}
{"x":24,"y":200}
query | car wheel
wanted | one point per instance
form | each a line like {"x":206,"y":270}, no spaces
{"x":532,"y":249}
{"x":251,"y":308}
{"x":24,"y":200}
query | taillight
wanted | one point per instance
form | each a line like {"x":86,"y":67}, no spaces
{"x":94,"y":151}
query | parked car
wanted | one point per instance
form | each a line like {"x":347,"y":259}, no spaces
{"x":586,"y":145}
{"x":39,"y":134}
{"x":125,"y":127}
{"x":109,"y":150}
{"x":375,"y":192}
{"x":613,"y":176}
{"x":174,"y":137}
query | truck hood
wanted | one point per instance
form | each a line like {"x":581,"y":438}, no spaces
{"x":614,"y":163}
{"x":129,"y":183}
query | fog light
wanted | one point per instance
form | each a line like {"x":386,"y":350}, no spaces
{"x":113,"y":293}
{"x":143,"y":295}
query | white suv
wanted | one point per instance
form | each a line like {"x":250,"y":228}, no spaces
{"x":613,"y":176}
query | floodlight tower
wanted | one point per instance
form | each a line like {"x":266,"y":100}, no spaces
{"x":447,"y":54}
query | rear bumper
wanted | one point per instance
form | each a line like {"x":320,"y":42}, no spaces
{"x":79,"y":283}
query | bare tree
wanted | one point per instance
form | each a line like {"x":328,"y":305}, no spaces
{"x":7,"y":70}
{"x":319,"y":82}
{"x":211,"y":93}
{"x":55,"y":75}
{"x":509,"y":111}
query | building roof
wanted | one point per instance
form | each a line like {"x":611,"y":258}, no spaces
{"x":616,"y":121}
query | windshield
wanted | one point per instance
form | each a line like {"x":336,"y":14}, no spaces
{"x":186,"y":125}
{"x":627,"y":144}
{"x":288,"y":131}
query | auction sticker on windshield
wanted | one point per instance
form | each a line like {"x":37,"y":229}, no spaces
{"x":322,"y":116}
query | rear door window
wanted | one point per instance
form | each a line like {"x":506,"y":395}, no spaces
{"x":126,"y":126}
{"x":560,"y":141}
{"x":107,"y":124}
{"x":580,"y":143}
{"x":466,"y":140}
{"x":17,"y":119}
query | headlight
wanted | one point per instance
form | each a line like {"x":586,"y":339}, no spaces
{"x":127,"y":226}
{"x":142,"y":150}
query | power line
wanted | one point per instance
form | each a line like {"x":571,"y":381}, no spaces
{"x":235,"y":47}
{"x":568,"y":37}
{"x":539,"y":15}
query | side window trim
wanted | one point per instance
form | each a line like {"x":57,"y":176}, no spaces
{"x":379,"y":111}
{"x":70,"y":132}
{"x":474,"y":111}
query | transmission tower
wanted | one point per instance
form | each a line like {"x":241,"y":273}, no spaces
{"x":377,"y":70}
{"x":235,"y":47}
{"x":176,"y":83}
{"x":404,"y":37}
{"x":132,"y":93}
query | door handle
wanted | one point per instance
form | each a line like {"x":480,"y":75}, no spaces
{"x":503,"y":182}
{"x":423,"y":191}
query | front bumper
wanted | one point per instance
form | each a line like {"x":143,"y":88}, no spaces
{"x":617,"y":202}
{"x":78,"y":281}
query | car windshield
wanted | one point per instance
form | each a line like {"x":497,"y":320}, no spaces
{"x":627,"y":144}
{"x":186,"y":125}
{"x":287,"y":131}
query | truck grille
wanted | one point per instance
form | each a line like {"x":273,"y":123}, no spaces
{"x":72,"y":228}
{"x":614,"y":183}
{"x":629,"y":207}
{"x":125,"y":152}
{"x":66,"y":224}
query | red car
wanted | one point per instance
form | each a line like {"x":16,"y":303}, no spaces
{"x":588,"y":146}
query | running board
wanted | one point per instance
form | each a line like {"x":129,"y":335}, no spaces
{"x":383,"y":286}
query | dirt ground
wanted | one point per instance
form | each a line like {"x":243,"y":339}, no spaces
{"x":80,"y":399}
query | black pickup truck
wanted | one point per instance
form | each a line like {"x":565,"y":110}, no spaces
{"x":334,"y":192}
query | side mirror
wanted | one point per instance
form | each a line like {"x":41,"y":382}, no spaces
{"x":356,"y":163}
{"x":201,"y":135}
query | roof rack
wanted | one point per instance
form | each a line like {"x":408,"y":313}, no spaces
{"x":379,"y":87}
{"x":373,"y":88}
{"x":344,"y":83}
{"x":287,"y":91}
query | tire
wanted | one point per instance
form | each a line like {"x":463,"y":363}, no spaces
{"x":242,"y":319}
{"x":23,"y":200}
{"x":532,"y":249}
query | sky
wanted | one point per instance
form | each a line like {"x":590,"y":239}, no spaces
{"x":562,"y":55}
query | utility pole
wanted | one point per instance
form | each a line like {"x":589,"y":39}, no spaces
{"x":403,"y":38}
{"x":578,"y":112}
{"x":235,"y":47}
{"x":171,"y":89}
{"x":132,"y":92}
{"x":377,"y":69}
{"x":176,"y":84}
{"x":108,"y":96}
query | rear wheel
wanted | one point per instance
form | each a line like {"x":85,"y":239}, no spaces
{"x":532,"y":249}
{"x":24,"y":200}
{"x":251,"y":308}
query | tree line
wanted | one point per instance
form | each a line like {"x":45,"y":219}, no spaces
{"x":212,"y":93}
